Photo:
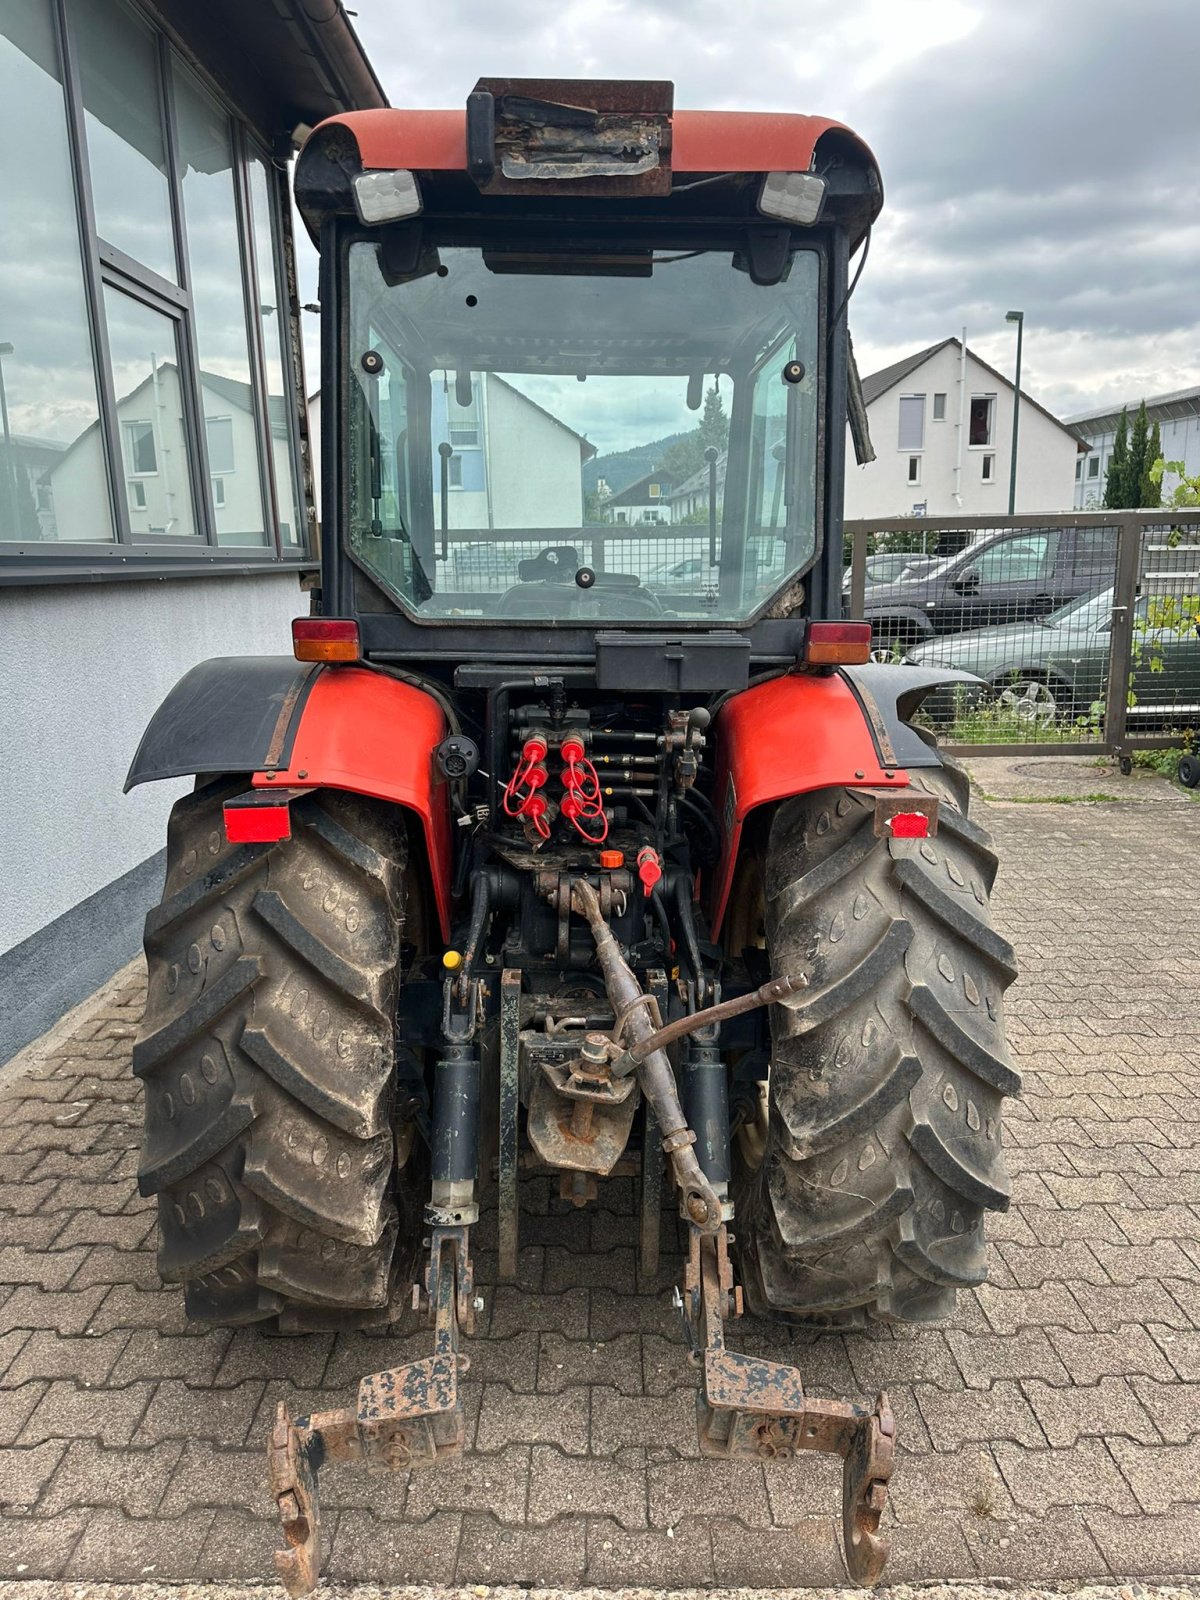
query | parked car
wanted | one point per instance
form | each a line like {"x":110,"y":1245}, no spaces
{"x":1001,"y":578}
{"x":1057,"y":666}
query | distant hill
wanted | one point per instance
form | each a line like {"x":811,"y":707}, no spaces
{"x":622,"y":467}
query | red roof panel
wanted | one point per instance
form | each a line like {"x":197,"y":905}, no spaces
{"x":702,"y":141}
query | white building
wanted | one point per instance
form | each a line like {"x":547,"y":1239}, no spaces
{"x":941,"y":424}
{"x":514,"y":464}
{"x":1178,"y":418}
{"x":153,"y":491}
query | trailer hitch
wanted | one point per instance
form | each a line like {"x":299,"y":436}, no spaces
{"x":406,"y":1416}
{"x":747,"y":1408}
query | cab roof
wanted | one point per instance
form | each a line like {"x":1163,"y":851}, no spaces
{"x":702,"y":141}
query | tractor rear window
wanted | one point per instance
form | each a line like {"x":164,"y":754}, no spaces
{"x":582,"y":440}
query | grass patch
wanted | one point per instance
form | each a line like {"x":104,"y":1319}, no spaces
{"x":1054,"y":799}
{"x":976,"y":721}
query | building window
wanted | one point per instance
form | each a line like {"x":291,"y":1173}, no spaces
{"x":912,"y":422}
{"x":454,"y":472}
{"x":463,"y":421}
{"x":219,"y":433}
{"x":939,"y":408}
{"x":50,"y":403}
{"x":144,"y":345}
{"x":1079,"y":469}
{"x":983,"y":413}
{"x":989,"y":469}
{"x":914,"y":469}
{"x":187,"y":248}
{"x":1093,"y":466}
{"x":655,"y":491}
{"x":140,"y":454}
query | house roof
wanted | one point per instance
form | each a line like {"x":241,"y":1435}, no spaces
{"x":630,"y":496}
{"x":878,"y":383}
{"x":586,"y":448}
{"x":1159,"y":408}
{"x":282,"y":62}
{"x":697,"y":482}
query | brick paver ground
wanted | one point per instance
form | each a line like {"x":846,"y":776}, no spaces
{"x":1052,"y":1432}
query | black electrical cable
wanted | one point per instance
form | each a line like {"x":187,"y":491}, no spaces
{"x":659,"y":906}
{"x":862,"y":261}
{"x":708,"y":822}
{"x":682,"y":891}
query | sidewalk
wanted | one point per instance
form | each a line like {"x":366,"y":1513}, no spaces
{"x":1050,"y":1434}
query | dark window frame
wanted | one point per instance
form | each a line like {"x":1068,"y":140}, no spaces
{"x":103,"y":266}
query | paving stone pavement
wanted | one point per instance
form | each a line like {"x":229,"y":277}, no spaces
{"x":1050,"y":1433}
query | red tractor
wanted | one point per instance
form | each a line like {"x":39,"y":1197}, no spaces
{"x":578,"y":830}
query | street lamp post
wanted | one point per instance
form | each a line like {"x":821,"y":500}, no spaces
{"x":1019,"y":318}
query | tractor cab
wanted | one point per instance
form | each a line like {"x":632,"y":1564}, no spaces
{"x":586,"y":363}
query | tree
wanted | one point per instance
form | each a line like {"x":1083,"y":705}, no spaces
{"x":686,"y":455}
{"x":1151,"y":487}
{"x":1117,"y":477}
{"x":1186,"y":492}
{"x":1138,"y":464}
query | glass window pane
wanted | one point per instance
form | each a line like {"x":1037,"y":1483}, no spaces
{"x":53,"y":483}
{"x":912,"y":422}
{"x":214,"y":254}
{"x":275,"y":345}
{"x":145,"y":362}
{"x":121,"y":85}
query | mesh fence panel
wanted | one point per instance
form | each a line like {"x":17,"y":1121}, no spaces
{"x":1080,"y":630}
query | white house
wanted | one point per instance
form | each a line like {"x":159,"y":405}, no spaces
{"x":941,"y":424}
{"x":513,"y":464}
{"x":1178,"y":418}
{"x":154,"y":460}
{"x":689,"y":502}
{"x":646,"y":501}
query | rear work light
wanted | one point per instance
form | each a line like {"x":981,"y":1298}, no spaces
{"x":837,"y":644}
{"x":792,"y":197}
{"x":325,"y":639}
{"x":386,"y":196}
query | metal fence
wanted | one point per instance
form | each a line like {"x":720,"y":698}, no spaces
{"x":1084,"y":630}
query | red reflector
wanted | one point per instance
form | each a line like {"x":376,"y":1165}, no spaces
{"x":257,"y":824}
{"x":325,"y":639}
{"x":909,"y":825}
{"x":837,"y":644}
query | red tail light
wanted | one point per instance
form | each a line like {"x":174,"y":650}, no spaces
{"x":837,"y":644}
{"x":325,"y":639}
{"x":909,"y":825}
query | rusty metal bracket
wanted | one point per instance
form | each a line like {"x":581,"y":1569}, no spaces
{"x":748,"y":1408}
{"x":405,"y":1416}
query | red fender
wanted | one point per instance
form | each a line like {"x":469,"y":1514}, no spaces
{"x":371,"y":734}
{"x":790,"y":735}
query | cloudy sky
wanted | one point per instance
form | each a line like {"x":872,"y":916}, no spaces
{"x":1036,"y":154}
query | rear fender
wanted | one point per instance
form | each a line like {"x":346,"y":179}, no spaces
{"x":299,"y":726}
{"x":806,"y":731}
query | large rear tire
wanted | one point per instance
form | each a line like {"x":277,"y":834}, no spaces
{"x":286,"y":1194}
{"x":863,"y":1183}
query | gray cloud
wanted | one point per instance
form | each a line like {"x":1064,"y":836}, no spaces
{"x":1035,"y":154}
